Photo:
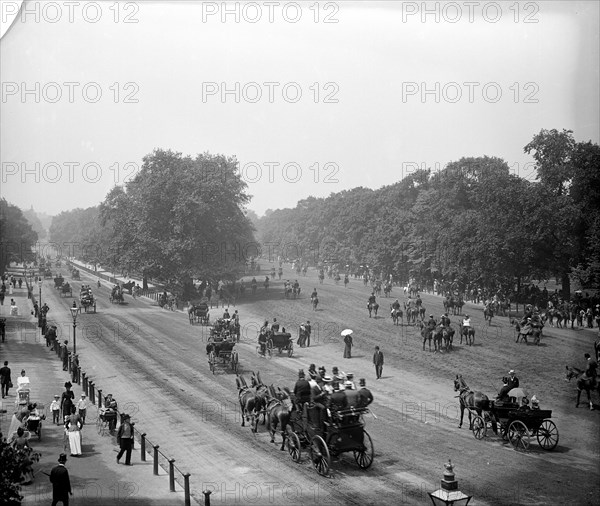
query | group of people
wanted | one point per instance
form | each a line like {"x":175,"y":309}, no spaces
{"x":328,"y":395}
{"x":511,"y":382}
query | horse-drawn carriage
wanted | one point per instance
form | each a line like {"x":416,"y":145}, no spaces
{"x":221,"y":343}
{"x":199,"y":313}
{"x":116,"y":295}
{"x":58,"y":281}
{"x":282,"y":341}
{"x":75,"y":273}
{"x":514,"y":423}
{"x":86,"y":299}
{"x":66,"y":290}
{"x":343,"y":431}
{"x":47,"y":274}
{"x":517,"y":425}
{"x":529,"y":327}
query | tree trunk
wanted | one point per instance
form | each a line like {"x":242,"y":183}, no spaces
{"x":518,"y":292}
{"x":144,"y":281}
{"x":566,"y":286}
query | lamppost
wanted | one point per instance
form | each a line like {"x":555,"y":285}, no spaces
{"x":449,"y":495}
{"x":74,"y":310}
{"x":40,"y":303}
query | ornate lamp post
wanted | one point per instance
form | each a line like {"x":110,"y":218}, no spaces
{"x":74,"y":310}
{"x":449,"y":495}
{"x":40,"y":303}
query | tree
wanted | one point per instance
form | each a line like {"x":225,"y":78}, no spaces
{"x":17,"y":238}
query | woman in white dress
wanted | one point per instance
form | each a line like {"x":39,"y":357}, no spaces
{"x":22,"y":381}
{"x":73,"y":428}
{"x":14,"y":310}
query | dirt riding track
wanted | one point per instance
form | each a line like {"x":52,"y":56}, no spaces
{"x":154,"y":362}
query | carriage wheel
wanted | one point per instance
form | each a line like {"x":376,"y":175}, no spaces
{"x":319,"y":455}
{"x":364,"y":458}
{"x":292,"y":442}
{"x":479,"y":427}
{"x":518,"y":435}
{"x":290,"y":349}
{"x":547,"y":435}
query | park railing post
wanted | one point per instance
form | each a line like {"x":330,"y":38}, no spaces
{"x":92,"y":394}
{"x":186,"y":488}
{"x":84,"y":381}
{"x":99,"y":398}
{"x":207,"y":497}
{"x":143,"y":446}
{"x":156,"y":447}
{"x":172,"y":475}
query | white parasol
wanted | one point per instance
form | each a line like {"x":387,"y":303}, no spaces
{"x":518,"y":393}
{"x":347,"y":332}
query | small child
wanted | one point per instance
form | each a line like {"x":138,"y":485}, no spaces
{"x":55,"y":407}
{"x":82,"y":407}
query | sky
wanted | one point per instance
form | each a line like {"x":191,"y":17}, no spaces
{"x":311,"y":98}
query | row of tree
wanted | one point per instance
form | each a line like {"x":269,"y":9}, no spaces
{"x":473,"y":221}
{"x":180,"y":218}
{"x":17,"y":237}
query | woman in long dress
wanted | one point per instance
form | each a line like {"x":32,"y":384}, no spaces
{"x":73,"y":428}
{"x":18,"y":418}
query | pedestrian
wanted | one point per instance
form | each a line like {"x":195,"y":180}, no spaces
{"x":307,"y":331}
{"x":82,"y":405}
{"x":73,"y":428}
{"x":20,"y":282}
{"x":66,"y":401}
{"x":348,"y":345}
{"x":55,"y":408}
{"x":61,"y":484}
{"x":365,"y":397}
{"x":50,"y":337}
{"x":378,"y":362}
{"x":5,"y":380}
{"x":3,"y":328}
{"x":125,"y":439}
{"x":64,"y":354}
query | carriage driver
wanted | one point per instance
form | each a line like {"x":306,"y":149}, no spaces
{"x":431,"y":323}
{"x":302,"y":390}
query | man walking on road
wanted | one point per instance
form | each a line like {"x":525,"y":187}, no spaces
{"x":5,"y":379}
{"x":378,"y":361}
{"x":61,"y":484}
{"x":125,"y":440}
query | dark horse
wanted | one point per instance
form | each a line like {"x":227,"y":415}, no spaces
{"x":583,"y":383}
{"x":469,"y":333}
{"x":470,"y":400}
{"x":279,"y":407}
{"x":372,"y":306}
{"x":250,"y":403}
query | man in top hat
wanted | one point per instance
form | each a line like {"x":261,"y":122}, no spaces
{"x":365,"y":397}
{"x":302,"y":389}
{"x":125,"y":439}
{"x":61,"y":484}
{"x":378,"y":362}
{"x":513,"y":381}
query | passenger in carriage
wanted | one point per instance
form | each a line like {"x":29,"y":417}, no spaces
{"x":226,"y":315}
{"x":275,"y":326}
{"x":312,"y":371}
{"x":365,"y":397}
{"x":318,"y":398}
{"x":302,"y":390}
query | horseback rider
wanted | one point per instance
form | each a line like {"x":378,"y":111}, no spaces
{"x":419,"y":301}
{"x":431,"y":323}
{"x":444,"y":320}
{"x":226,"y":315}
{"x":466,"y":321}
{"x":372,"y":298}
{"x":591,"y":369}
{"x":396,"y":305}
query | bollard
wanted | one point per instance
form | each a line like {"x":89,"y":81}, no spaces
{"x":207,"y":497}
{"x":99,"y":398}
{"x":186,"y":488}
{"x":143,"y":446}
{"x":172,"y":475}
{"x":92,"y":396}
{"x":156,"y":447}
{"x":84,"y":381}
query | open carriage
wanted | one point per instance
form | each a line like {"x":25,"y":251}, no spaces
{"x":75,"y":273}
{"x":282,"y":341}
{"x":343,"y":431}
{"x":86,"y":299}
{"x":116,"y":296}
{"x":221,"y":352}
{"x":199,"y":313}
{"x":517,"y":425}
{"x":66,"y":290}
{"x":58,"y":282}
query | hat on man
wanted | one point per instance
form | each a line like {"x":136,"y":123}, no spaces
{"x":82,"y":395}
{"x":327,"y":379}
{"x":301,"y":373}
{"x":348,"y":384}
{"x":56,"y":396}
{"x":362,"y":382}
{"x":512,"y":371}
{"x":335,"y":370}
{"x":62,"y":458}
